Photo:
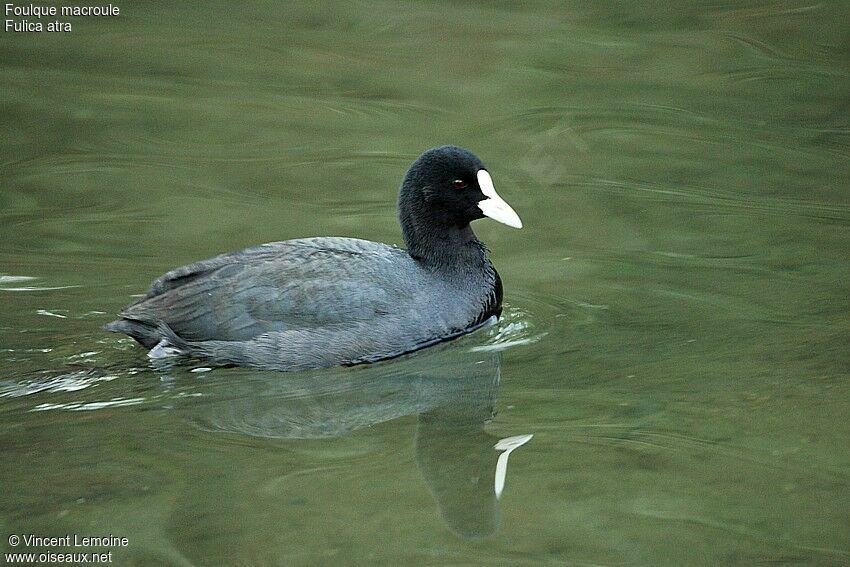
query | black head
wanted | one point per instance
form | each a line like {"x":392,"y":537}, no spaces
{"x":444,"y":190}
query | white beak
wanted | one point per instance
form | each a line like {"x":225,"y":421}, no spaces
{"x":494,"y":206}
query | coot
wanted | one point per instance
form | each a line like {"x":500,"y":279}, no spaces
{"x":318,"y":302}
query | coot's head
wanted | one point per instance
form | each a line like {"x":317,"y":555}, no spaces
{"x":444,"y":190}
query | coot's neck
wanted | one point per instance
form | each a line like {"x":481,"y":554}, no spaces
{"x":450,"y":248}
{"x":456,"y":254}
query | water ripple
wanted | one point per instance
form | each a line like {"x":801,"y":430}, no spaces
{"x":65,"y":382}
{"x":718,"y":200}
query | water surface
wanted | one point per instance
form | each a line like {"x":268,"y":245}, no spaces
{"x":676,"y":327}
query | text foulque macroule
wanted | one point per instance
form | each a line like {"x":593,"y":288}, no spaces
{"x":34,"y":13}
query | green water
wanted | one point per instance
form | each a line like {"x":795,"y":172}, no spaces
{"x":676,"y":331}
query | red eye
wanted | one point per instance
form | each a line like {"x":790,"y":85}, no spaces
{"x":459,"y":183}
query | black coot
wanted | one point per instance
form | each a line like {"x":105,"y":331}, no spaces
{"x":318,"y":302}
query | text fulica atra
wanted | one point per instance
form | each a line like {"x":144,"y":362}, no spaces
{"x":317,"y":302}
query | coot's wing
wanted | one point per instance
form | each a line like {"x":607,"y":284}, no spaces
{"x":296,"y":284}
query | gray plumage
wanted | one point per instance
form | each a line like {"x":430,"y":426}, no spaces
{"x":318,"y":302}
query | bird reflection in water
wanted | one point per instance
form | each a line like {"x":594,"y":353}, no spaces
{"x":452,"y":390}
